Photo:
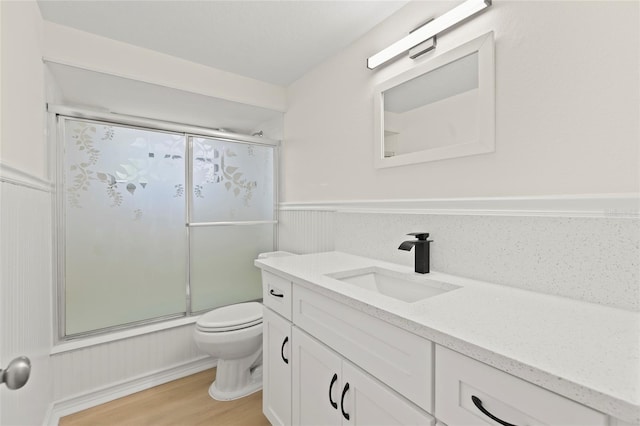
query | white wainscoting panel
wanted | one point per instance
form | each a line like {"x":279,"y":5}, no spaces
{"x":25,"y":297}
{"x":305,"y":231}
{"x":90,"y":369}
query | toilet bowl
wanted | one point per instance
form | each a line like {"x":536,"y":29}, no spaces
{"x":233,"y":335}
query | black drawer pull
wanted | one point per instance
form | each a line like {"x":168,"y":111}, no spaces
{"x":478,"y":403}
{"x":273,"y":293}
{"x":284,"y":342}
{"x":344,"y":392}
{"x":334,"y":379}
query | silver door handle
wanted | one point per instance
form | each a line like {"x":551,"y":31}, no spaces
{"x":17,"y":373}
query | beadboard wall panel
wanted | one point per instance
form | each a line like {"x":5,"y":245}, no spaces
{"x":89,"y":369}
{"x":25,"y":297}
{"x":305,"y":231}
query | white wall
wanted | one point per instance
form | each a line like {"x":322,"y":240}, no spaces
{"x":25,"y":224}
{"x":78,"y":48}
{"x":23,"y":143}
{"x":567,"y":108}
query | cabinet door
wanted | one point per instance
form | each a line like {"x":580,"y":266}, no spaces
{"x":276,"y":378}
{"x":369,"y":402}
{"x":316,"y":382}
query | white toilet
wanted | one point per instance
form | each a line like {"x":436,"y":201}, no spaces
{"x":233,"y":335}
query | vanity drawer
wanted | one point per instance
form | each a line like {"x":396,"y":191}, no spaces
{"x":401,"y":360}
{"x":513,"y":400}
{"x":276,"y":294}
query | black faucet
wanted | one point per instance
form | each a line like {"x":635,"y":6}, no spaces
{"x":422,"y":251}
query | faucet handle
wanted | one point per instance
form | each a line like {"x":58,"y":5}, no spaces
{"x":421,"y":236}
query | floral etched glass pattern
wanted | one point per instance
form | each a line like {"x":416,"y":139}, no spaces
{"x":125,"y":238}
{"x":232,"y":181}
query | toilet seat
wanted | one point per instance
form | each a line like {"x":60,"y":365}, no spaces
{"x":229,"y":328}
{"x":230,"y":318}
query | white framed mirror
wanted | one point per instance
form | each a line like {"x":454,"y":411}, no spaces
{"x":443,"y":108}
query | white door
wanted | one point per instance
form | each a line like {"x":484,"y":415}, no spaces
{"x":25,"y":300}
{"x":316,"y":382}
{"x":369,"y":402}
{"x":25,"y":212}
{"x":276,"y":379}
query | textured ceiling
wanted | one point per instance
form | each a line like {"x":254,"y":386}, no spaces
{"x":272,"y":41}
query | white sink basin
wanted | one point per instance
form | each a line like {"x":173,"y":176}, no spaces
{"x":404,"y":287}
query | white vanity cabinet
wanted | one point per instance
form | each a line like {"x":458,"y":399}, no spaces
{"x":328,"y":363}
{"x":311,"y":381}
{"x":276,"y":377}
{"x":329,"y":390}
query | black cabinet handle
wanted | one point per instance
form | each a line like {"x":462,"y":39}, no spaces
{"x":284,"y":342}
{"x":344,"y":392}
{"x":334,"y":379}
{"x":478,"y":403}
{"x":273,"y":293}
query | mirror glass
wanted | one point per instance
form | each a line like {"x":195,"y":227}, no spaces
{"x":440,"y":109}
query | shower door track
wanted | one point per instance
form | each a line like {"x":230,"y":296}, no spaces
{"x":153,"y":124}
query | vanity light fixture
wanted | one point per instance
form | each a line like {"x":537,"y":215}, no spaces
{"x":431,"y":29}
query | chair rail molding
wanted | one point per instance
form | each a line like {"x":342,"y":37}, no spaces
{"x":613,"y":205}
{"x":18,"y":177}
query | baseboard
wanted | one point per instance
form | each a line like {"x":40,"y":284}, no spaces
{"x":48,"y":416}
{"x":127,"y":387}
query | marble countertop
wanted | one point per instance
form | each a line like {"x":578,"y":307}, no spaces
{"x":586,"y":352}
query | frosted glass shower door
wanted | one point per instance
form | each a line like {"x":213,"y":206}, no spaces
{"x":125,"y":241}
{"x":231,"y":220}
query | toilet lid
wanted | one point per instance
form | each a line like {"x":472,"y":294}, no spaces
{"x":229,"y":328}
{"x":232,"y":317}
